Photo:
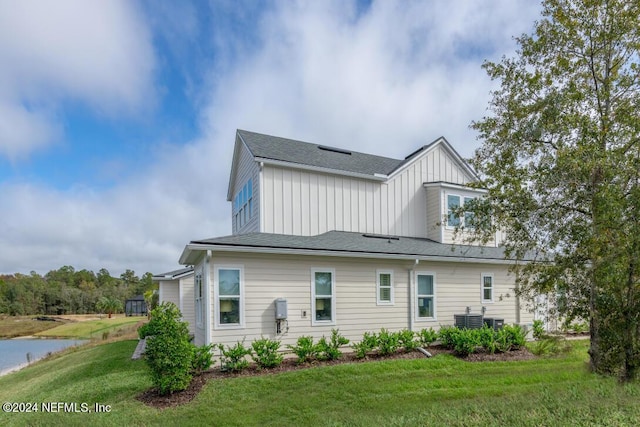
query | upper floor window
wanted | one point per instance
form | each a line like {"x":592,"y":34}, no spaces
{"x":243,"y":205}
{"x":454,"y":202}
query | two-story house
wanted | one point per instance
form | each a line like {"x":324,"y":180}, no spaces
{"x":326,"y":238}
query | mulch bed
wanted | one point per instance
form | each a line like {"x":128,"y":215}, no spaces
{"x":152,"y":398}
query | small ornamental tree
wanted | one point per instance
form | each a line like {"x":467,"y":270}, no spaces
{"x":109,"y":305}
{"x":169,"y":353}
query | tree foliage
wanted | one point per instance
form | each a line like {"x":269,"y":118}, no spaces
{"x":67,"y":291}
{"x":561,"y":160}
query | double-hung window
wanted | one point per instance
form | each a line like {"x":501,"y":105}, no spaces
{"x":426,"y":296}
{"x":323,"y":296}
{"x":229,"y":296}
{"x":243,"y":205}
{"x":487,"y":287}
{"x":454,"y":219}
{"x":384,"y":287}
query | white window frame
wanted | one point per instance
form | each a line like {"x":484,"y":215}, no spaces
{"x":462,"y":200}
{"x":417,"y":296}
{"x":199,"y":299}
{"x":379,"y":286}
{"x":216,"y":297}
{"x":482,"y":288}
{"x":315,"y":322}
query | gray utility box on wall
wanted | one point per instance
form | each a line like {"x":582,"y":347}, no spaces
{"x":281,"y":309}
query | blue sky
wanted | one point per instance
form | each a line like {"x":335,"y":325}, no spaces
{"x":117,"y":118}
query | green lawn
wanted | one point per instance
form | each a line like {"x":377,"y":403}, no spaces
{"x":89,"y":328}
{"x":17,"y":326}
{"x":438,"y":391}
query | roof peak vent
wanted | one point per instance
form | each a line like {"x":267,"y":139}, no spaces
{"x":335,"y":150}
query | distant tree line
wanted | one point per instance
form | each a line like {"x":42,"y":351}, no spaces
{"x":67,"y":291}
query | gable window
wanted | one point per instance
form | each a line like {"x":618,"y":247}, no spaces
{"x":426,"y":296}
{"x":229,"y":296}
{"x":243,"y":205}
{"x":487,"y":287}
{"x":323,"y":307}
{"x":199,"y":293}
{"x":384,"y":287}
{"x":454,"y":202}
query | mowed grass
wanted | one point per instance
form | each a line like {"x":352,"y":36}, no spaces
{"x":18,"y":326}
{"x":438,"y":391}
{"x":89,"y":328}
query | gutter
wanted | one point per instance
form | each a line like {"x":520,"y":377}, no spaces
{"x":291,"y":165}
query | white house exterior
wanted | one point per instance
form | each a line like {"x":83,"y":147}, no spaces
{"x":347,"y":240}
{"x":177,"y":287}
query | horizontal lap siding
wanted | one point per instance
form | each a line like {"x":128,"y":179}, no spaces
{"x":247,"y":169}
{"x":268,"y":277}
{"x":188,"y":308}
{"x":170,"y":292}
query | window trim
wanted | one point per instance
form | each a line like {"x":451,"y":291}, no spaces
{"x":243,"y":202}
{"x":315,"y":322}
{"x":216,"y":297}
{"x":379,"y":286}
{"x":462,"y":200}
{"x":417,"y":296}
{"x":199,"y":299}
{"x":482,"y":288}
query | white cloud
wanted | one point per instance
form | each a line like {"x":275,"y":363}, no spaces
{"x":96,"y":53}
{"x":385,"y":82}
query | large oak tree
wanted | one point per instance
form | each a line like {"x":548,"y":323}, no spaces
{"x":561,"y":160}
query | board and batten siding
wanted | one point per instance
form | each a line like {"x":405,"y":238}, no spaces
{"x":269,"y":277}
{"x":307,"y":203}
{"x":246,"y":169}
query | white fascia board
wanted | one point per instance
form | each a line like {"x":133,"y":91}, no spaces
{"x":455,"y":187}
{"x":343,"y":254}
{"x":291,"y":165}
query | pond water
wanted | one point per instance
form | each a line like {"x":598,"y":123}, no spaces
{"x":13,"y":353}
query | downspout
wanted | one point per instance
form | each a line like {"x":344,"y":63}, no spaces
{"x":410,"y":293}
{"x":207,"y":300}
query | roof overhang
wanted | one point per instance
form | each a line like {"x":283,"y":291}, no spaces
{"x":291,"y":165}
{"x":451,"y":186}
{"x":193,"y":252}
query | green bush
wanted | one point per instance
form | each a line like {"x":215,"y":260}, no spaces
{"x":368,"y":344}
{"x":503,"y":341}
{"x":427,"y":336}
{"x":169,"y":353}
{"x":538,"y":329}
{"x":487,"y":339}
{"x":447,"y":334}
{"x":234,"y":358}
{"x":143,"y":331}
{"x":265,"y":353}
{"x":550,"y":346}
{"x":517,"y":335}
{"x":406,"y":339}
{"x":304,"y":349}
{"x":466,"y":341}
{"x":330,"y":350}
{"x":388,"y":342}
{"x":202,"y":358}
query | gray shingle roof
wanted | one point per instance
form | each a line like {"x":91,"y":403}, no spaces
{"x":305,"y":153}
{"x":349,"y":242}
{"x":172,"y":274}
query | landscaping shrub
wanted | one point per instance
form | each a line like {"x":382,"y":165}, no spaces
{"x":368,"y":344}
{"x":487,"y":339}
{"x":427,"y":336}
{"x":538,"y":330}
{"x":331,"y":350}
{"x":143,"y":331}
{"x":388,"y":342}
{"x":304,"y":349}
{"x":549,"y":346}
{"x":517,"y":335}
{"x":169,"y":353}
{"x":234,"y":358}
{"x":265,"y":353}
{"x":503,"y":341}
{"x":202,"y":358}
{"x":447,"y":334}
{"x":406,"y":340}
{"x":466,"y":341}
